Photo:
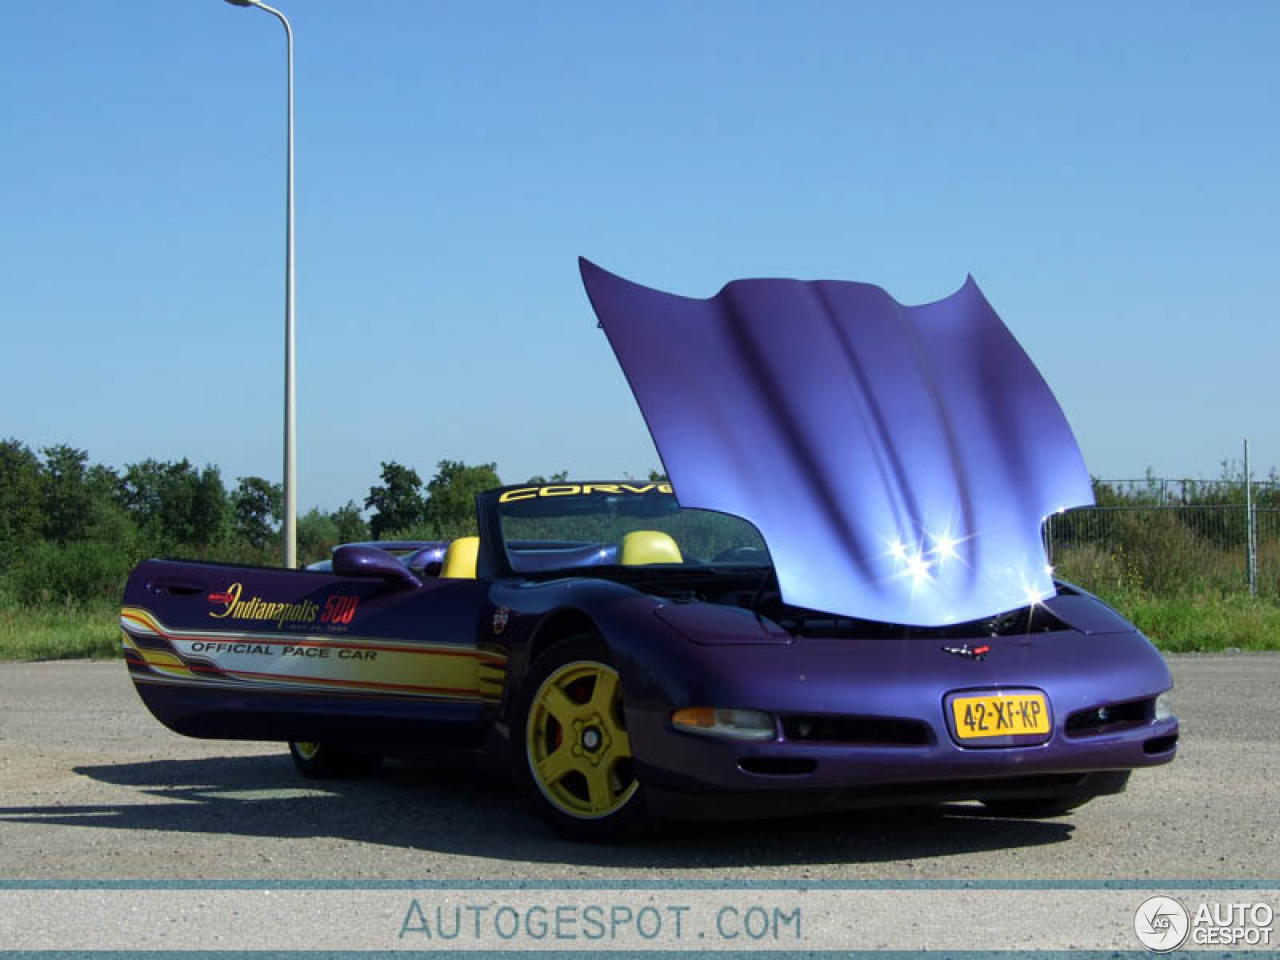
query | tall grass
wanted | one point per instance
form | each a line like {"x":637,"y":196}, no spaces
{"x":1179,"y":573}
{"x":1205,"y":623}
{"x":59,"y":631}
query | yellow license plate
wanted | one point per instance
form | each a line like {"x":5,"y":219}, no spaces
{"x":1000,"y":715}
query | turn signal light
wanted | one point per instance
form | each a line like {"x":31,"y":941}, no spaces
{"x":740,"y":724}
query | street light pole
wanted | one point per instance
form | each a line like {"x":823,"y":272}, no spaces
{"x":289,"y":528}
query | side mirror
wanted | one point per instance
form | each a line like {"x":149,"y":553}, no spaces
{"x":362,"y":561}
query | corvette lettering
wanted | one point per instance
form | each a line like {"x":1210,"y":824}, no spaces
{"x":577,"y":489}
{"x":258,"y":609}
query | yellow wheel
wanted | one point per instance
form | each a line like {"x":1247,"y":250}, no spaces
{"x":576,"y":752}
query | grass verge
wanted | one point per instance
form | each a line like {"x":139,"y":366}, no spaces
{"x":60,"y":631}
{"x":1205,"y":623}
{"x":1179,"y":624}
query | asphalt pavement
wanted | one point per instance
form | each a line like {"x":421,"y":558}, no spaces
{"x":92,"y":787}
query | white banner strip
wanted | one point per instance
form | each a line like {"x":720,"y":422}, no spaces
{"x":696,"y":920}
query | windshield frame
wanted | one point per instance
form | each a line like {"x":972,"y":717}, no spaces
{"x":495,"y":559}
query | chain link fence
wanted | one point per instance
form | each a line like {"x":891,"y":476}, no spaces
{"x":1169,"y":547}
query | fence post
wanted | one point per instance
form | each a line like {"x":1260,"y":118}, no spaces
{"x":1252,"y":555}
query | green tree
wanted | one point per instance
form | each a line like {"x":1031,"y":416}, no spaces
{"x":560,"y":477}
{"x":317,"y":535}
{"x":175,"y":504}
{"x":210,"y":509}
{"x":451,"y":496}
{"x":350,"y":524}
{"x":110,"y":523}
{"x":66,"y":498}
{"x":20,"y":497}
{"x":257,"y":506}
{"x":397,"y":503}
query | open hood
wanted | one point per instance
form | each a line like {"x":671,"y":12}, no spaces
{"x":898,"y":461}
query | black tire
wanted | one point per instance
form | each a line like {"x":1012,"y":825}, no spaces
{"x":327,"y":761}
{"x":570,"y":749}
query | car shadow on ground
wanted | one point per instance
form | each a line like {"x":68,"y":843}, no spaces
{"x":477,"y":813}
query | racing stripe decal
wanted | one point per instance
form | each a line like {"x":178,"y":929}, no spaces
{"x":156,"y":653}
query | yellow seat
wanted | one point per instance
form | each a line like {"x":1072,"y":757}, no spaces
{"x":641,"y":547}
{"x":460,"y":559}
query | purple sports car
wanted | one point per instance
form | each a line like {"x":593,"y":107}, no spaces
{"x":840,"y":599}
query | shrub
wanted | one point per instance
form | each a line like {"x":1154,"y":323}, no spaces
{"x":1096,"y":569}
{"x":1170,"y":557}
{"x":82,"y":571}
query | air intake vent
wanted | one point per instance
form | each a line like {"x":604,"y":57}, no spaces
{"x":1112,"y":716}
{"x":778,"y":766}
{"x":845,"y":729}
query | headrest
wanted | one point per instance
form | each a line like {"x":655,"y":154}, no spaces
{"x":640,"y":547}
{"x":460,"y":559}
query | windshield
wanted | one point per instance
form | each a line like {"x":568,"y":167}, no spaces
{"x":572,"y":525}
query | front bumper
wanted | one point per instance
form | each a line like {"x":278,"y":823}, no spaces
{"x":909,"y":692}
{"x":678,"y":760}
{"x":746,"y":805}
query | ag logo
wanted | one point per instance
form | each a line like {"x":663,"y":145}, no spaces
{"x":1161,"y":923}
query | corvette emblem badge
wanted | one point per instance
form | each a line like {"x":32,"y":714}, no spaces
{"x":973,"y":653}
{"x":500,"y":618}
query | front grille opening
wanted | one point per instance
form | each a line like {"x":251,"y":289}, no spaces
{"x":1109,"y":717}
{"x":778,"y":766}
{"x":865,"y":730}
{"x":1160,"y":744}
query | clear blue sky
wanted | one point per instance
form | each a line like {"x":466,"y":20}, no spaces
{"x":1106,"y":171}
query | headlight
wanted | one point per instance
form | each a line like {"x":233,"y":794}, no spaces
{"x":1164,"y":707}
{"x":739,"y":724}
